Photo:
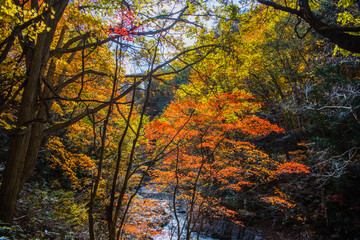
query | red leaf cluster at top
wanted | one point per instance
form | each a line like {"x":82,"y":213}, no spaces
{"x":126,"y":26}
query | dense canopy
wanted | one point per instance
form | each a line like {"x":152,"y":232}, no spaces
{"x":159,"y":119}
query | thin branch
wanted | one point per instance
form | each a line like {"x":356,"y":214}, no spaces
{"x":75,"y":119}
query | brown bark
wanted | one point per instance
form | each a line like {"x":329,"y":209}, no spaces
{"x":20,"y":145}
{"x":24,"y":147}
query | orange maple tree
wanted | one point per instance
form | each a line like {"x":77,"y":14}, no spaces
{"x":210,"y":153}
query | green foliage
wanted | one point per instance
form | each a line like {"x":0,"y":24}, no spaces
{"x":11,"y":232}
{"x":50,"y":213}
{"x":164,"y":92}
{"x":334,"y":109}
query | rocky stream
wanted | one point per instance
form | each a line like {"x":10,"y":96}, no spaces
{"x":211,"y":229}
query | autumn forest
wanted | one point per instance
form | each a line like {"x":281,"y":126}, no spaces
{"x":186,"y":119}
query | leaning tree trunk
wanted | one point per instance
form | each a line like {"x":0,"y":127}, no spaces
{"x":20,"y":143}
{"x":25,"y":145}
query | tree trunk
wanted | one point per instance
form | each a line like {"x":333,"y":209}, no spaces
{"x":12,"y":178}
{"x":17,"y":158}
{"x":25,"y":145}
